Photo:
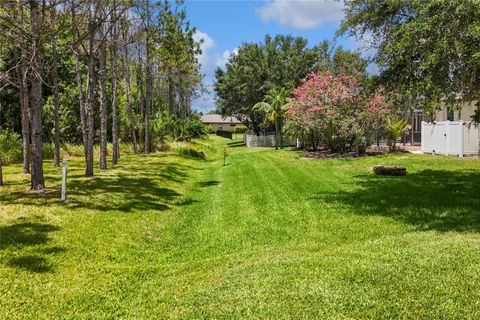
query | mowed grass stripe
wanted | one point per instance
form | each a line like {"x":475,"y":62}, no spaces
{"x":271,"y":235}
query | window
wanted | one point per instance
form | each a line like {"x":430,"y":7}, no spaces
{"x":450,"y":115}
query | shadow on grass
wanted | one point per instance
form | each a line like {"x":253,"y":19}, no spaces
{"x":186,"y":201}
{"x":32,"y":263}
{"x":235,"y":144}
{"x":209,"y":183}
{"x":431,"y":199}
{"x":121,"y":193}
{"x":24,"y":234}
{"x":130,"y":186}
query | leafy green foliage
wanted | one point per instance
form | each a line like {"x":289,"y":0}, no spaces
{"x":274,"y":111}
{"x":194,"y":128}
{"x":395,"y":130}
{"x":10,"y":146}
{"x":278,"y":62}
{"x":276,"y":107}
{"x":166,"y":126}
{"x":427,"y":50}
{"x":177,"y":52}
{"x":240,"y":128}
{"x":70,"y":126}
{"x":476,"y":114}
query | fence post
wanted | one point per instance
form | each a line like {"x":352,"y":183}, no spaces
{"x":462,"y":138}
{"x":64,"y":181}
{"x":447,"y":134}
{"x":422,"y":138}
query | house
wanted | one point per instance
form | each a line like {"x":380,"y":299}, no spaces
{"x":219,"y":122}
{"x":465,"y":112}
{"x":452,"y":132}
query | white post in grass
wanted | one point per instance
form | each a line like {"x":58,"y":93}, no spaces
{"x":64,"y":181}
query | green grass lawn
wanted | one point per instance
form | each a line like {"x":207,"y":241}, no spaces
{"x":269,"y":235}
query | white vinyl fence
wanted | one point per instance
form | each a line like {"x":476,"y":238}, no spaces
{"x":459,"y":138}
{"x":252,"y":140}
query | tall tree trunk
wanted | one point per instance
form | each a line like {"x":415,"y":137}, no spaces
{"x":89,"y":106}
{"x":148,"y":93}
{"x":103,"y":106}
{"x":37,"y":181}
{"x":56,"y":112}
{"x":147,"y":142}
{"x":281,"y":132}
{"x":24,"y":100}
{"x":113,"y":78}
{"x":277,"y":125}
{"x":1,"y":173}
{"x":171,"y":94}
{"x":78,"y":77}
{"x":126,"y":68}
{"x":25,"y":110}
{"x":140,"y":86}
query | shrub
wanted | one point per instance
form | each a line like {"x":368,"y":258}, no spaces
{"x":163,"y":127}
{"x":476,"y":114}
{"x":394,"y":130}
{"x":194,"y":128}
{"x":332,"y":109}
{"x":240,"y":128}
{"x":210,"y":129}
{"x":168,"y":127}
{"x":10,"y":146}
{"x":48,"y":150}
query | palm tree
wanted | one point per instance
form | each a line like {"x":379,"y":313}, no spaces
{"x":395,"y":129}
{"x":275,"y":110}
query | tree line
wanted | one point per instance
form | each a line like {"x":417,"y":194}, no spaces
{"x":426,"y":52}
{"x":278,"y":63}
{"x":94,"y":72}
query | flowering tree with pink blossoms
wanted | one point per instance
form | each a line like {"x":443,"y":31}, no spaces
{"x":332,"y":110}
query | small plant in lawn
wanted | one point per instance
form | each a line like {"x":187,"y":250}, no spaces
{"x":395,"y":130}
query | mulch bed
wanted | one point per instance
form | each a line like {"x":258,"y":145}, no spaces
{"x":326,"y":154}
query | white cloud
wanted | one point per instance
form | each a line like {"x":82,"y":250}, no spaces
{"x":302,"y":14}
{"x":207,"y":45}
{"x":224,"y":57}
{"x":210,"y":59}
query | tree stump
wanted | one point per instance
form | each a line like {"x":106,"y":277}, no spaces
{"x":389,"y":171}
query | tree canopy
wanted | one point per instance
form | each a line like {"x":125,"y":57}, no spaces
{"x":279,"y":62}
{"x":91,"y":71}
{"x":427,"y":50}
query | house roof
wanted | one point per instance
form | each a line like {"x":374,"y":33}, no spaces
{"x":218,"y":118}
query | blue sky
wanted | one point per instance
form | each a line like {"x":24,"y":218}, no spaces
{"x":224,"y":25}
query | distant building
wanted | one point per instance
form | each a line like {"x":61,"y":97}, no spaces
{"x":219,"y":122}
{"x":465,"y":112}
